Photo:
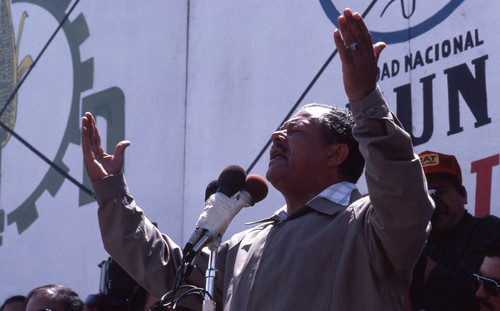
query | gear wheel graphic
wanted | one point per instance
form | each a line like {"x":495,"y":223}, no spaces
{"x":76,"y":32}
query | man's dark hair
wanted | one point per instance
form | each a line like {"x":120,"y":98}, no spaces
{"x":336,"y":127}
{"x":492,"y":248}
{"x":66,"y":295}
{"x":16,"y":298}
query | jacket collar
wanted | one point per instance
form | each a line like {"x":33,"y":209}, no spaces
{"x":319,"y":204}
{"x":327,"y":207}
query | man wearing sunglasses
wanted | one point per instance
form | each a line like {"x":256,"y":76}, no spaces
{"x":487,"y":282}
{"x":454,"y":249}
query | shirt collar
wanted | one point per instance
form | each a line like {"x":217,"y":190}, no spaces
{"x":339,"y":193}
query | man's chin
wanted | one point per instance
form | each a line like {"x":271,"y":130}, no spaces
{"x":439,"y":223}
{"x":274,"y":174}
{"x":270,"y":175}
{"x":275,"y":167}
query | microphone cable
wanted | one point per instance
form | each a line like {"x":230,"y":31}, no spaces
{"x":170,"y":299}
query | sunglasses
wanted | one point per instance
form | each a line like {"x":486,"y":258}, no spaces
{"x":491,"y":287}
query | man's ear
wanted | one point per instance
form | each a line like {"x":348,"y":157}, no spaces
{"x":337,"y":153}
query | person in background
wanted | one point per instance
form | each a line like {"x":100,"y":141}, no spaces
{"x":118,"y":291}
{"x":487,"y":281}
{"x":55,"y":298}
{"x":454,"y":249}
{"x":139,"y":301}
{"x":14,"y":303}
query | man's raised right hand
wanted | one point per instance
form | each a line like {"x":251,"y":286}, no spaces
{"x":98,"y":163}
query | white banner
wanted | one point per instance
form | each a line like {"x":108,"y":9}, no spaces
{"x":199,"y":85}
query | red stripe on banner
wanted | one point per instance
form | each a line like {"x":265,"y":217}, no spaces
{"x":483,"y":168}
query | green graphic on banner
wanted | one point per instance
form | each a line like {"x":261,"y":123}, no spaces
{"x":108,"y":104}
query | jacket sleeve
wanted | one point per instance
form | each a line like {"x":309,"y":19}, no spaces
{"x":398,"y":220}
{"x":150,"y":257}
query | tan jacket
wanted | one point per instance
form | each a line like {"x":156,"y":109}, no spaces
{"x":323,"y":257}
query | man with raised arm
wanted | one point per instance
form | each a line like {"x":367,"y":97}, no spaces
{"x":328,"y":248}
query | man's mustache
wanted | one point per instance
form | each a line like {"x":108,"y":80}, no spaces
{"x":281,"y":146}
{"x":486,"y":303}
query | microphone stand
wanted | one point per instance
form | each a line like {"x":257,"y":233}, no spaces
{"x":211,"y":275}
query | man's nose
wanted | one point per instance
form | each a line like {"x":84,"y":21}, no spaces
{"x":278,"y":136}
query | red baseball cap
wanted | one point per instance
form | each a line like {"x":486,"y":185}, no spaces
{"x":435,"y":162}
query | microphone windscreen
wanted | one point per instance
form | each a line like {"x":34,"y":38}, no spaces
{"x":257,"y":186}
{"x":231,"y":179}
{"x":211,"y":189}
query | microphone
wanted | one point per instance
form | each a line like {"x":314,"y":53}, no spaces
{"x":211,"y":189}
{"x":198,"y":232}
{"x":230,"y":181}
{"x":254,"y":190}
